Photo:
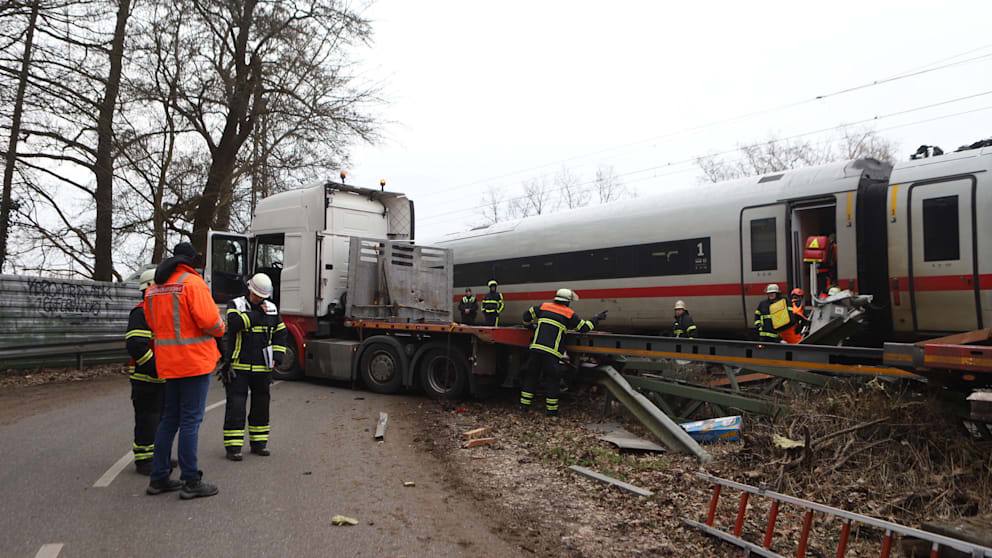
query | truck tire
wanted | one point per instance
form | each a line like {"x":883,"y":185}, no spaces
{"x":291,"y":369}
{"x":443,"y":372}
{"x":381,"y":367}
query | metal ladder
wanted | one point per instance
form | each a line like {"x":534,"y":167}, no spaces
{"x":889,"y":529}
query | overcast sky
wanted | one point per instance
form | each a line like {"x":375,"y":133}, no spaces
{"x":498,"y":92}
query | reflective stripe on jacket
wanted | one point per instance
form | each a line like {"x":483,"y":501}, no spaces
{"x":684,"y":326}
{"x":184,"y":321}
{"x":255,"y":332}
{"x":492,"y":303}
{"x":553,"y":322}
{"x":140,"y":347}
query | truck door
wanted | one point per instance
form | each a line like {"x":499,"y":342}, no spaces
{"x":227,"y":269}
{"x":763,"y":255}
{"x":943,"y":273}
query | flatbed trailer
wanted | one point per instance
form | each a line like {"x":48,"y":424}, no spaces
{"x":463,"y":356}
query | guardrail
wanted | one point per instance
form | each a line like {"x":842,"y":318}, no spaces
{"x":62,"y":322}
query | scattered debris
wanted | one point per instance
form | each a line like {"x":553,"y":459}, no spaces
{"x":626,"y":440}
{"x":610,"y":480}
{"x":476,"y":442}
{"x":981,"y":405}
{"x":477,"y":433}
{"x":343,"y":520}
{"x":359,"y":399}
{"x":380,"y":427}
{"x":461,"y":410}
{"x":787,"y":443}
{"x":409,"y":484}
{"x":723,"y":429}
{"x":305,"y":473}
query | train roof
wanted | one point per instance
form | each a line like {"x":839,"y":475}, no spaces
{"x":693,"y":196}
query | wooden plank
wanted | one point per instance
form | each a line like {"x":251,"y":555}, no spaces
{"x":610,"y":480}
{"x":476,"y":442}
{"x":476,"y":433}
{"x":380,"y":427}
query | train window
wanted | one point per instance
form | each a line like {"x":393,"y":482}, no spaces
{"x":941,"y":240}
{"x":764,"y":245}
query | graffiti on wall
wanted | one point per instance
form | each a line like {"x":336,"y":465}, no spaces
{"x":60,"y":298}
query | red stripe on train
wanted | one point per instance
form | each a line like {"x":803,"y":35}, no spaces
{"x":937,"y":283}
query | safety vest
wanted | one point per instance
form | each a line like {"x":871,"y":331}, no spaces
{"x":793,"y":334}
{"x":184,"y":321}
{"x":553,"y":322}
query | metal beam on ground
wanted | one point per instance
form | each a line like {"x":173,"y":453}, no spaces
{"x":709,"y":395}
{"x":664,"y":428}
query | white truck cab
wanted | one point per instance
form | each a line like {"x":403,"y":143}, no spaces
{"x":300,"y":238}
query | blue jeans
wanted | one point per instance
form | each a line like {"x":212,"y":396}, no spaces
{"x":185,"y":400}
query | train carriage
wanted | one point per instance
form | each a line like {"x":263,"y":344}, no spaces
{"x":916,"y":236}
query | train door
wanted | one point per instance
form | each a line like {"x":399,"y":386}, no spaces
{"x":814,"y":219}
{"x":763,"y":254}
{"x":943,"y":273}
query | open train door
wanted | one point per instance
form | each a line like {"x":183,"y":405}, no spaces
{"x":763,"y":254}
{"x":943,"y":273}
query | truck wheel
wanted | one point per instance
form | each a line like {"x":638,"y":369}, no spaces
{"x":290,"y":369}
{"x":443,"y":373}
{"x":381,"y":368}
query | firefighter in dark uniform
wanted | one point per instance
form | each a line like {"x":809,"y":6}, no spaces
{"x":468,"y":308}
{"x":255,"y":343}
{"x":147,"y":390}
{"x":763,"y":315}
{"x":683,"y":326}
{"x":492,"y":304}
{"x":552,"y":321}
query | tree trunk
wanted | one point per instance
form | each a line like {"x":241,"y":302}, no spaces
{"x":221,"y":168}
{"x":103,"y":264}
{"x":15,"y":131}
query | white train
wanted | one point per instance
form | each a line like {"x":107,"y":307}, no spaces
{"x":916,"y":236}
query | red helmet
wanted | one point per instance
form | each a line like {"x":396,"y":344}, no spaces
{"x":798,"y":292}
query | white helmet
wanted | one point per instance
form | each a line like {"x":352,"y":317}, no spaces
{"x":260,"y":285}
{"x":565,"y":295}
{"x":772,"y":288}
{"x":833,"y":291}
{"x":147,"y":279}
{"x":680,"y":305}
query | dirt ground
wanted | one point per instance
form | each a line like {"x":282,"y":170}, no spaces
{"x":910,"y":464}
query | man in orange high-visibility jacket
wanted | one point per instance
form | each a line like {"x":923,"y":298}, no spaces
{"x":184,"y":322}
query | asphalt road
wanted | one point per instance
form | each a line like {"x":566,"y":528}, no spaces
{"x":56,"y":441}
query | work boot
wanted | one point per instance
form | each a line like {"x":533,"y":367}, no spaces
{"x":164,"y":485}
{"x":197,"y":489}
{"x":143,"y":467}
{"x":259,"y":449}
{"x":234,"y":454}
{"x":552,"y":414}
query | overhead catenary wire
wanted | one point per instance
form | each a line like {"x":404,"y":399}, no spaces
{"x":694,"y":158}
{"x":944,"y":63}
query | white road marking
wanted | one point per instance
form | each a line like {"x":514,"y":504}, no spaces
{"x":122,"y":463}
{"x":114,"y":470}
{"x":50,"y":550}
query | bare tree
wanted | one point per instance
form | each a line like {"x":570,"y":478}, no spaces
{"x":776,"y":155}
{"x":570,"y":189}
{"x":281,"y":58}
{"x":609,"y":187}
{"x":536,"y":199}
{"x":10,"y":158}
{"x":491,"y":211}
{"x":74,"y":83}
